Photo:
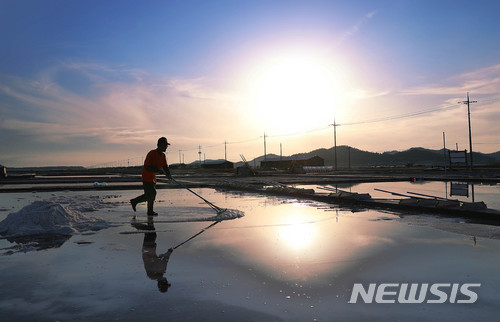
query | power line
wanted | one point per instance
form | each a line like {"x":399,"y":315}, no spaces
{"x":245,"y":141}
{"x":324,"y":128}
{"x":327,"y":127}
{"x":298,"y":133}
{"x":395,"y":117}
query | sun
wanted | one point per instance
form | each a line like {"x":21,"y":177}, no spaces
{"x":295,"y":93}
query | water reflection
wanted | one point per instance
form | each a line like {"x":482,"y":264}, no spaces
{"x":155,"y":265}
{"x":288,"y":241}
{"x":298,"y":234}
{"x":459,"y":190}
{"x":251,"y":268}
{"x":24,"y":244}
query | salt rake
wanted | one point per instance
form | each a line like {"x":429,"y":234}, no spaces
{"x":214,"y":207}
{"x":197,"y":234}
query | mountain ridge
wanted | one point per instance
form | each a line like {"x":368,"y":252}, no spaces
{"x":350,"y":156}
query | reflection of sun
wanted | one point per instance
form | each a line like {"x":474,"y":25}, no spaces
{"x":298,"y":235}
{"x":296,"y":93}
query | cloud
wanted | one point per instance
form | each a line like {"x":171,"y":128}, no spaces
{"x":484,"y":81}
{"x":361,"y":94}
{"x":123,"y":103}
{"x":357,"y":27}
{"x":420,"y":114}
{"x":117,"y":112}
{"x":120,"y":107}
{"x":54,"y":133}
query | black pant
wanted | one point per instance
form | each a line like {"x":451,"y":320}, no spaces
{"x":149,"y":195}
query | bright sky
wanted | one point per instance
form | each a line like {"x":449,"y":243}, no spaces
{"x":90,"y":82}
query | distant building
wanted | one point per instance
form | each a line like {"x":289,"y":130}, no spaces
{"x":292,"y":162}
{"x":217,"y":164}
{"x":244,"y":171}
{"x":176,"y":166}
{"x":3,"y":171}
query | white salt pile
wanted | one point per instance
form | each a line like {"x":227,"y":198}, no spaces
{"x":229,"y":214}
{"x":173,"y":214}
{"x":86,"y":203}
{"x":48,"y":218}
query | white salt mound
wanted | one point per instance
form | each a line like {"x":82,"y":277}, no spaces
{"x":48,"y":218}
{"x":229,"y":214}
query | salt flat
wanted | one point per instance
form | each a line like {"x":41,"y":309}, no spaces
{"x":286,"y":259}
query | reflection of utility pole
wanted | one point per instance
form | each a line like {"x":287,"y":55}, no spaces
{"x":470,"y":135}
{"x":472,"y":192}
{"x":335,"y":141}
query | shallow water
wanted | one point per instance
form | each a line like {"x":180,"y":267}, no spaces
{"x":286,"y":259}
{"x":475,"y":192}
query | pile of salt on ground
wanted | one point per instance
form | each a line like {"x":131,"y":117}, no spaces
{"x":228,"y":214}
{"x":48,"y":218}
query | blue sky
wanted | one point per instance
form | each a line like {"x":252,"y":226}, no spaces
{"x":91,"y":82}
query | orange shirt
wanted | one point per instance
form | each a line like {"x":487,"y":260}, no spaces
{"x":153,"y":159}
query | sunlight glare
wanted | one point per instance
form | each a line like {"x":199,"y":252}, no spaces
{"x":298,"y":235}
{"x":297,"y":93}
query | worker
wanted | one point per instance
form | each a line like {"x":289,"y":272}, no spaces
{"x":154,"y":163}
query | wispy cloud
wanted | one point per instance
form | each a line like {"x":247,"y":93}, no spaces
{"x":126,"y":108}
{"x":56,"y":133}
{"x":141,"y":104}
{"x":361,"y":94}
{"x":357,"y":26}
{"x":485,"y":81}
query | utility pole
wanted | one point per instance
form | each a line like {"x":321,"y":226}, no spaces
{"x":199,"y":153}
{"x":225,"y":150}
{"x":470,"y":135}
{"x":335,"y":141}
{"x":281,"y":152}
{"x":349,"y":157}
{"x":265,"y":154}
{"x":444,"y":151}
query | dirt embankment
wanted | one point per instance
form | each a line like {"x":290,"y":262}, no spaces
{"x":130,"y":179}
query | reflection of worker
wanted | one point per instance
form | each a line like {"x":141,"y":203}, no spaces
{"x":155,"y":265}
{"x":155,"y":162}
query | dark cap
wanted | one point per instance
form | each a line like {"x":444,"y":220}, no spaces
{"x":163,"y":140}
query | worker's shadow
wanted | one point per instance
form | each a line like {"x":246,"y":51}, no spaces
{"x":154,"y":264}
